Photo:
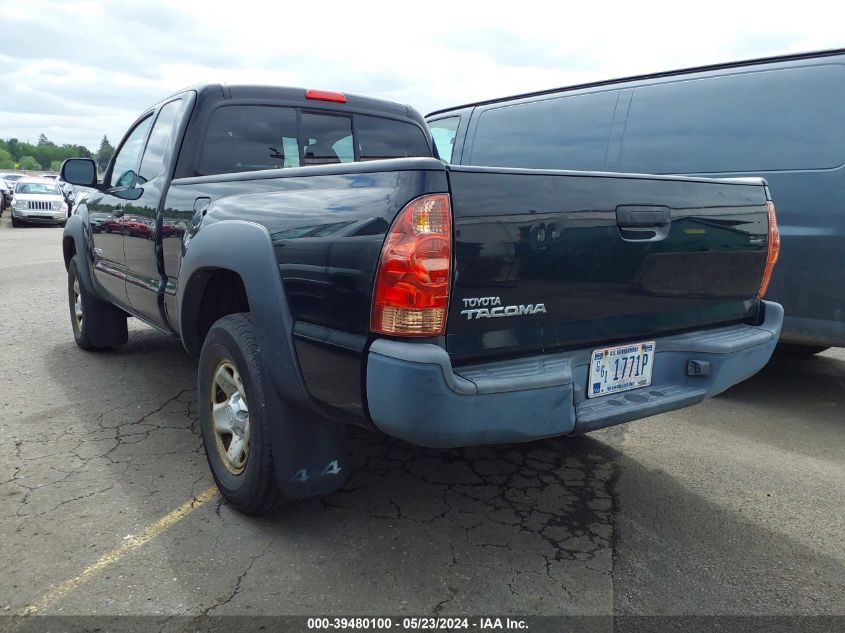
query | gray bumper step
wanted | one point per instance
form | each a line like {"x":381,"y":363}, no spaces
{"x":631,"y":405}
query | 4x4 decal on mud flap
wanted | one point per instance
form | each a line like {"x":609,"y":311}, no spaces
{"x":332,"y":468}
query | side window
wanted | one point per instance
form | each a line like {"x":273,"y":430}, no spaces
{"x":126,"y":162}
{"x":249,"y":138}
{"x":326,"y":139}
{"x":443,"y":132}
{"x":768,"y":120}
{"x":569,"y":132}
{"x":386,"y":138}
{"x":161,"y":143}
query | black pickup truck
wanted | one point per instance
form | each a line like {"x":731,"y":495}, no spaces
{"x":326,"y":268}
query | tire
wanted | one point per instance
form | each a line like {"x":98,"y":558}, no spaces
{"x":794,"y":349}
{"x":96,"y":324}
{"x":231,"y":381}
{"x":16,"y":223}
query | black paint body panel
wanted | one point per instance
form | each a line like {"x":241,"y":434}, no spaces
{"x":327,"y":225}
{"x":529,"y":237}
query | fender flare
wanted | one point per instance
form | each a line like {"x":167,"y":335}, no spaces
{"x":254,"y":260}
{"x":75,"y":229}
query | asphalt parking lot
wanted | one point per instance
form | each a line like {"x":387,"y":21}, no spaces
{"x":732,"y":507}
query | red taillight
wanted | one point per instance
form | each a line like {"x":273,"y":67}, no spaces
{"x":412,"y":283}
{"x":774,"y":250}
{"x":325,"y":95}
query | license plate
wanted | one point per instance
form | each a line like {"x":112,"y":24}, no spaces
{"x":615,"y":369}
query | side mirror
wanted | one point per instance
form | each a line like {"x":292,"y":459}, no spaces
{"x":80,"y":171}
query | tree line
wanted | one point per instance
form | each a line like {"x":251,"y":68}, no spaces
{"x":47,"y":156}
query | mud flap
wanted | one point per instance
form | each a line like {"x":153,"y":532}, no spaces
{"x":310,"y":454}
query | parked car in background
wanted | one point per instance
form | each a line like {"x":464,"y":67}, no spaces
{"x":5,"y":195}
{"x":138,"y":226}
{"x":38,"y":201}
{"x":7,"y":185}
{"x":326,"y":269}
{"x":779,"y":117}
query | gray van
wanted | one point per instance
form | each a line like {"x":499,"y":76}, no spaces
{"x":779,"y":117}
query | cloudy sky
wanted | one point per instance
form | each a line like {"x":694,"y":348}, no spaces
{"x":76,"y":70}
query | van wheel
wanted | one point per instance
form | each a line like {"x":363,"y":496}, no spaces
{"x":96,"y":324}
{"x":233,"y":416}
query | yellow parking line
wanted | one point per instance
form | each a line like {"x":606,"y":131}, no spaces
{"x":129,"y":545}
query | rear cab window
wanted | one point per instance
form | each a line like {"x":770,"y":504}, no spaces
{"x":258,"y":137}
{"x":387,"y":138}
{"x":327,"y":139}
{"x":249,"y":138}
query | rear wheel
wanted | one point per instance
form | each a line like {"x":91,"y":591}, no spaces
{"x":234,"y":416}
{"x":96,"y":324}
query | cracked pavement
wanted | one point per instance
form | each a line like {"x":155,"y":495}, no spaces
{"x":733,"y":506}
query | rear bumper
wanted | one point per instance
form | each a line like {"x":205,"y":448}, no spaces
{"x":414,"y":393}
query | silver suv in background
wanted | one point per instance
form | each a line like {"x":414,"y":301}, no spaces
{"x":39,"y":201}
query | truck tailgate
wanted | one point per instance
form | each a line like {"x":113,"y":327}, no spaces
{"x":549,"y":260}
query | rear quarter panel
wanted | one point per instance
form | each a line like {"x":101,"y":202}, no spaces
{"x":327,"y":228}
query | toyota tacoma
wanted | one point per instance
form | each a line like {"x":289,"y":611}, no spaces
{"x":325,"y":268}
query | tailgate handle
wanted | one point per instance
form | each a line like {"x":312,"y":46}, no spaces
{"x":639,"y":223}
{"x":634,"y":217}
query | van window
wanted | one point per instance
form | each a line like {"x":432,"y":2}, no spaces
{"x":562,"y":133}
{"x":443,"y":132}
{"x":749,"y":122}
